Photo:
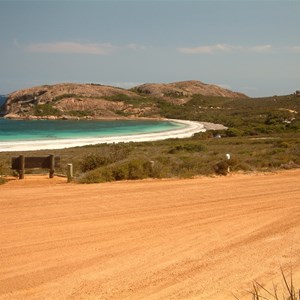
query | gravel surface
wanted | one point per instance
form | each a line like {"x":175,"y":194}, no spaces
{"x":202,"y":238}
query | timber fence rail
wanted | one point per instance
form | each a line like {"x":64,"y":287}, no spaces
{"x":21,"y":163}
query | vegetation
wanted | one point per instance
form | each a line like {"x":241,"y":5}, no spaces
{"x":201,"y":155}
{"x":2,"y":180}
{"x":288,"y":291}
{"x":263,"y":135}
{"x":63,"y":96}
{"x":250,"y":116}
{"x":46,"y":110}
{"x":137,"y":101}
{"x":80,"y":113}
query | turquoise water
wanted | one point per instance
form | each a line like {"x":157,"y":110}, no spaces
{"x":34,"y":130}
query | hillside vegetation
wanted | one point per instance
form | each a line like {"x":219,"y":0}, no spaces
{"x":69,"y":100}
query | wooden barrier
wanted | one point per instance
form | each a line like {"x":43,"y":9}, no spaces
{"x":46,"y":162}
{"x":70,"y":172}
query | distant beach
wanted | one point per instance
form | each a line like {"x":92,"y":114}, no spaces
{"x":183,"y":129}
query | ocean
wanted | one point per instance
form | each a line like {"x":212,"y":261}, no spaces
{"x":33,"y":130}
{"x":23,"y":135}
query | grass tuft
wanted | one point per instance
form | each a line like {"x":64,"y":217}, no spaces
{"x":288,"y":291}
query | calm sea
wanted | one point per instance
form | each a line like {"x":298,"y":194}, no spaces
{"x":25,"y":130}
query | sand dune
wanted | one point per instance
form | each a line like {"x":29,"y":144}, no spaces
{"x":203,"y":238}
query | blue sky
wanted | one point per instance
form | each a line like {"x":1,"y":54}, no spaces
{"x":247,"y":46}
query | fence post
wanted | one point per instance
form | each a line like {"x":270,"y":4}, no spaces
{"x":70,"y":172}
{"x":52,"y":170}
{"x":228,"y":157}
{"x":21,"y":166}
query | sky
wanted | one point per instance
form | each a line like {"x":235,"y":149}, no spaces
{"x":247,"y":46}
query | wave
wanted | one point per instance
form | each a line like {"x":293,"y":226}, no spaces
{"x":189,"y":129}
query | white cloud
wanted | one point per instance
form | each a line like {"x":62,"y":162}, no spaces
{"x":261,"y":49}
{"x":80,"y":48}
{"x":225,"y":48}
{"x":294,"y":49}
{"x":134,"y":46}
{"x":207,"y":49}
{"x":72,"y":47}
{"x":124,"y":85}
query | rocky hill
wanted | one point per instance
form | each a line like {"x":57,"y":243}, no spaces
{"x":185,"y":89}
{"x":70,"y":100}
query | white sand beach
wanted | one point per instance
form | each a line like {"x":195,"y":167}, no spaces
{"x":189,"y":129}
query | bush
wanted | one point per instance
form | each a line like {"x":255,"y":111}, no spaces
{"x":132,"y":169}
{"x":158,"y":170}
{"x":189,"y":147}
{"x":97,"y":176}
{"x":221,"y":168}
{"x":137,"y":169}
{"x":283,"y":144}
{"x":129,"y":170}
{"x":93,"y":161}
{"x":108,"y":154}
{"x":232,"y":132}
{"x":46,"y":110}
{"x":278,"y":117}
{"x":120,"y":172}
{"x":3,"y":170}
{"x":80,"y":113}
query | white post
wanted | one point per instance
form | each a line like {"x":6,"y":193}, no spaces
{"x":228,"y":158}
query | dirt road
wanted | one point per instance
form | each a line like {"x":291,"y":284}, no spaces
{"x":202,"y":238}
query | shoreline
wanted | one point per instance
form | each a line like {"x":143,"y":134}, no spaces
{"x":190,"y":128}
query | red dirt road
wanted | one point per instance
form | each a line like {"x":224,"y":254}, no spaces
{"x":203,"y":238}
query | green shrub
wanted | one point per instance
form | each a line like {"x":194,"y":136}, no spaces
{"x":205,"y":135}
{"x":283,"y":144}
{"x":189,"y":147}
{"x":118,"y":97}
{"x":132,"y":169}
{"x":278,"y":117}
{"x":93,"y":161}
{"x":79,"y":113}
{"x":120,"y":172}
{"x":46,"y":110}
{"x":174,"y":94}
{"x":232,"y":132}
{"x":129,"y":170}
{"x":137,"y":170}
{"x":242,"y":166}
{"x":106,"y":155}
{"x":158,"y":170}
{"x":97,"y":176}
